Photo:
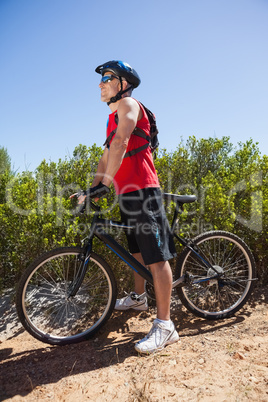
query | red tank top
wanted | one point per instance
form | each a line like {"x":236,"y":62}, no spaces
{"x":137,"y":171}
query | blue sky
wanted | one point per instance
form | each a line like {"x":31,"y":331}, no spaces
{"x":203,"y":66}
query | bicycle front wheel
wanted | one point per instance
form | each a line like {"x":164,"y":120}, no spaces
{"x":225,"y":295}
{"x":46,"y":305}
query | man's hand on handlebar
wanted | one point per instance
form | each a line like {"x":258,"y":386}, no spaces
{"x":94,"y":192}
{"x":97,"y":192}
{"x":81,"y":198}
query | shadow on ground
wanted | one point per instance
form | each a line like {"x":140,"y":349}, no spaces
{"x":22,"y":372}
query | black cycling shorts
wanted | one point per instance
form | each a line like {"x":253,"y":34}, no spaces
{"x":151,"y":236}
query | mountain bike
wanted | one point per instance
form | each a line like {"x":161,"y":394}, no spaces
{"x":67,"y":294}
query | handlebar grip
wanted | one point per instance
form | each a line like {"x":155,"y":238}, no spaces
{"x":82,"y":208}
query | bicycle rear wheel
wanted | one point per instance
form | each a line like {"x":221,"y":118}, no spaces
{"x":224,"y":296}
{"x":44,"y":304}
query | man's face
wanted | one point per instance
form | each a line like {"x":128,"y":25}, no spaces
{"x":109,"y":88}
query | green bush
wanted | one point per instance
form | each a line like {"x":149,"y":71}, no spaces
{"x":231,"y":185}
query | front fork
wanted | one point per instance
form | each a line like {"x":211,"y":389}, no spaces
{"x":83,"y":259}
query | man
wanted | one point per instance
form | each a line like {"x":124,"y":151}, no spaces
{"x":137,"y":185}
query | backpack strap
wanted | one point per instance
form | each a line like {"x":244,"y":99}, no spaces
{"x":112,"y":133}
{"x":136,"y":150}
{"x":140,"y":133}
{"x":109,"y":138}
{"x":137,"y":131}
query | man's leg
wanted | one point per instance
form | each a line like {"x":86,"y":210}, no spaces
{"x":163,"y":331}
{"x":139,"y":281}
{"x":162,"y":276}
{"x":131,"y":301}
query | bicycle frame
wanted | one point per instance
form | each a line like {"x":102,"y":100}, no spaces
{"x":98,"y":229}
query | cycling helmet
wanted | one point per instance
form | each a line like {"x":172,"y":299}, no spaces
{"x":122,"y":70}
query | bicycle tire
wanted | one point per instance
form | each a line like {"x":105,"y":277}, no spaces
{"x":44,"y":306}
{"x":223,"y":297}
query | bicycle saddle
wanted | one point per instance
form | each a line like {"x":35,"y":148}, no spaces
{"x":182,"y":199}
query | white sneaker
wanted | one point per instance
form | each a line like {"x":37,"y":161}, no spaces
{"x":158,"y":337}
{"x":134,"y":301}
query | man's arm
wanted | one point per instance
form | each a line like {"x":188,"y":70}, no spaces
{"x":128,"y":115}
{"x":102,"y":165}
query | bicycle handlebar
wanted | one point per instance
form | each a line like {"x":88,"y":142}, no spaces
{"x":101,"y":190}
{"x":94,"y":192}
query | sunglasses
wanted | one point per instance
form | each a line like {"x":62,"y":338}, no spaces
{"x":108,"y":78}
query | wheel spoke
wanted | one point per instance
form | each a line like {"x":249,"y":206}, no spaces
{"x":45,"y":307}
{"x":223,"y":294}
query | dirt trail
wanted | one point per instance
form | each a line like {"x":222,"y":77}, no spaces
{"x":214,"y":361}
